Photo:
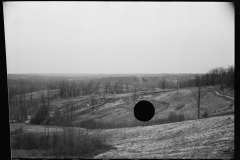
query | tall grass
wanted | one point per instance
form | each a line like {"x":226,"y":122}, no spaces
{"x":93,"y":124}
{"x":17,"y":131}
{"x":68,"y":142}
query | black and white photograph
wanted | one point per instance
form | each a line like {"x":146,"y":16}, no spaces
{"x":114,"y":80}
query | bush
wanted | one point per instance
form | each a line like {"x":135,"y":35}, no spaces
{"x":40,"y":115}
{"x":92,"y":124}
{"x":47,"y":121}
{"x":173,"y":117}
{"x":17,"y":131}
{"x":205,"y":115}
{"x":60,"y":119}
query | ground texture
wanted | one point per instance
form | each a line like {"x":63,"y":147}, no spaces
{"x":204,"y":138}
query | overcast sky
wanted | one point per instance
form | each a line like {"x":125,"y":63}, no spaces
{"x":118,"y":37}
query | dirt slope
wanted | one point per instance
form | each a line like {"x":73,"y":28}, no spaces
{"x":204,"y":138}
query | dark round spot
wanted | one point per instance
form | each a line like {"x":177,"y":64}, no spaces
{"x":144,"y":111}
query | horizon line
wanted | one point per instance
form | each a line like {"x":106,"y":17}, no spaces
{"x":105,"y":73}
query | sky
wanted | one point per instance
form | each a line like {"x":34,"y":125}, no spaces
{"x":118,"y":37}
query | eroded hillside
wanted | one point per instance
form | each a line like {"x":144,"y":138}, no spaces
{"x":118,"y":109}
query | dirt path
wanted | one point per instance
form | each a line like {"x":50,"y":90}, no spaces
{"x":223,"y":95}
{"x":204,"y":138}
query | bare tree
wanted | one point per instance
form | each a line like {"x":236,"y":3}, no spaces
{"x":198,"y":93}
{"x":96,"y":87}
{"x":92,"y":100}
{"x":213,"y":76}
{"x":31,"y":102}
{"x":222,"y":79}
{"x":73,"y":87}
{"x":127,"y":87}
{"x":72,"y":110}
{"x":162,"y":83}
{"x":230,"y":77}
{"x":144,"y":82}
{"x":106,"y":87}
{"x":177,"y":85}
{"x":48,"y":96}
{"x":134,"y":96}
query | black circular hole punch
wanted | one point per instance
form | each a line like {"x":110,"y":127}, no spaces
{"x":144,"y":111}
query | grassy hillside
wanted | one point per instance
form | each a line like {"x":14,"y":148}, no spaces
{"x":111,"y":118}
{"x":205,"y":138}
{"x":118,"y":109}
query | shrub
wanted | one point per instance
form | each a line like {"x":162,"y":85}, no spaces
{"x":17,"y":131}
{"x":40,"y":115}
{"x":205,"y":115}
{"x":92,"y":124}
{"x":173,"y":117}
{"x":47,"y":121}
{"x":60,"y":119}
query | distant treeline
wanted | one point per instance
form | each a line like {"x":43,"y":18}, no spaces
{"x":118,"y":85}
{"x":22,"y":103}
{"x":74,"y":86}
{"x":217,"y":76}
